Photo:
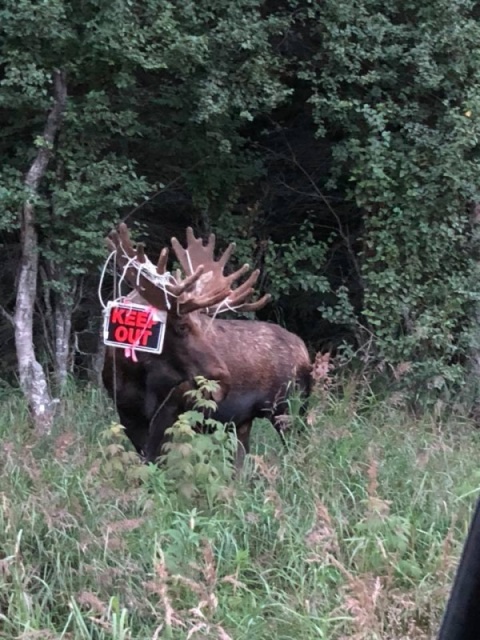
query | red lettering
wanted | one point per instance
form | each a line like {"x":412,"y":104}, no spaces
{"x":144,"y":319}
{"x":145,"y":336}
{"x":121,"y":334}
{"x":133,"y":326}
{"x":116,"y":316}
{"x":131,"y":318}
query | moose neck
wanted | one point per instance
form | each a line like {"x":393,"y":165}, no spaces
{"x":189,"y":347}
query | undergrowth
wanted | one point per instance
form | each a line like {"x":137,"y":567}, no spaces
{"x":353,"y":532}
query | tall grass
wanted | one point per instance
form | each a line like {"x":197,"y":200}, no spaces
{"x":354,"y":532}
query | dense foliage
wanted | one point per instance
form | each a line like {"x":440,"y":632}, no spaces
{"x":401,"y":84}
{"x":336,"y":143}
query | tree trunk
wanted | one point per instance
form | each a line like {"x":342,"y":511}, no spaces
{"x":33,"y":380}
{"x":98,"y":362}
{"x":63,"y":329}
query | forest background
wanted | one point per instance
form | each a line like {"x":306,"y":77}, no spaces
{"x":337,"y":143}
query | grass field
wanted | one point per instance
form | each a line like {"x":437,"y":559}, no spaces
{"x":354,"y":533}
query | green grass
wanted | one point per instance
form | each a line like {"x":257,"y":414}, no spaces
{"x":353,"y":533}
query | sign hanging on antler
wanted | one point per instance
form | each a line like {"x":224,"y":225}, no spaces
{"x":134,"y":327}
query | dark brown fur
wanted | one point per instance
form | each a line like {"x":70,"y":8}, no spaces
{"x":255,"y":363}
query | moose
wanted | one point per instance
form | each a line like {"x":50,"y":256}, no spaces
{"x":255,"y":363}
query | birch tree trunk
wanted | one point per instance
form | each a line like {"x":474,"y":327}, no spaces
{"x":97,"y":363}
{"x":33,"y":380}
{"x":63,"y":330}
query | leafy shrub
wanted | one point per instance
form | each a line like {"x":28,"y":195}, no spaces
{"x":198,"y":458}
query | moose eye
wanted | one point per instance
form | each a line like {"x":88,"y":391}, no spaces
{"x":182,"y":328}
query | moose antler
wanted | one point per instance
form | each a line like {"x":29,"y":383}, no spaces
{"x":205,"y":285}
{"x":156,"y":286}
{"x":213,"y":280}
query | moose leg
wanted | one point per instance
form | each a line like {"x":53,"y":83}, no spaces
{"x":136,"y":428}
{"x":243,"y":444}
{"x":164,"y":417}
{"x":279,"y":417}
{"x":279,"y":430}
{"x":156,"y":434}
{"x":281,"y":423}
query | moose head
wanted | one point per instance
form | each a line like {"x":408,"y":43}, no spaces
{"x":253,"y":362}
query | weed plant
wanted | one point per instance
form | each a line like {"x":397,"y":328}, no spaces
{"x":353,"y":532}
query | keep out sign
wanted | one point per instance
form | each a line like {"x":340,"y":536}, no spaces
{"x":134,"y":326}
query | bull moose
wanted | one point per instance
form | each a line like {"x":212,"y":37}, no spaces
{"x":255,"y":363}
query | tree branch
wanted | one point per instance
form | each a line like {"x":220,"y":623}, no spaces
{"x":7,"y":316}
{"x":39,"y":165}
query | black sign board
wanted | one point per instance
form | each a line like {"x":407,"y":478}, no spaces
{"x":134,"y":326}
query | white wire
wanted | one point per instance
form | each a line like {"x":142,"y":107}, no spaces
{"x":130,"y":262}
{"x":220,"y":309}
{"x":189,"y":261}
{"x":102,"y":277}
{"x":223,"y":306}
{"x":146,"y":269}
